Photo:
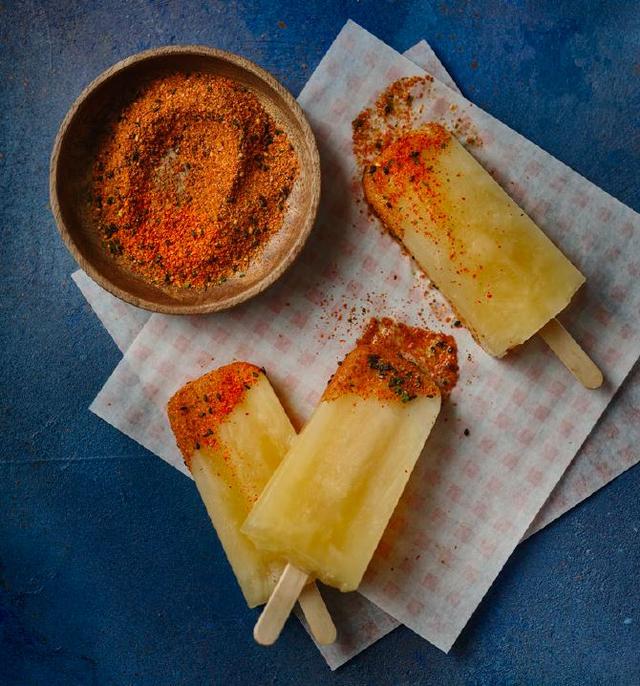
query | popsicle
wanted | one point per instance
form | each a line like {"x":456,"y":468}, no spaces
{"x":233,"y":432}
{"x":329,"y":501}
{"x":504,"y":278}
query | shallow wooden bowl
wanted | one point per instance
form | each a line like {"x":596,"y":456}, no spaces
{"x":74,"y":153}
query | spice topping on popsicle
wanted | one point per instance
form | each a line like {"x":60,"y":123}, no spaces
{"x":409,"y":160}
{"x":197,"y":409}
{"x":379,"y":372}
{"x":398,"y":110}
{"x":434,"y":352}
{"x":393,"y":361}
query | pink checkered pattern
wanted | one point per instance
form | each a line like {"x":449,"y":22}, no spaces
{"x":360,"y":623}
{"x":470,"y":498}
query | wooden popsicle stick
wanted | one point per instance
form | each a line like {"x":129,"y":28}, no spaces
{"x":317,"y":615}
{"x":572,"y":356}
{"x":279,"y":605}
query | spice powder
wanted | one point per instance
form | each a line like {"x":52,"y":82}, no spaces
{"x":191,"y":181}
{"x":396,"y":362}
{"x":198,"y":409}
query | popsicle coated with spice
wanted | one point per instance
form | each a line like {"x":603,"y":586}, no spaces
{"x":233,"y":432}
{"x":505,"y":279}
{"x":329,"y":501}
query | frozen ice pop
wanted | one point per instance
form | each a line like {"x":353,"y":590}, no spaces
{"x":233,"y":432}
{"x":329,"y":501}
{"x":505,"y":279}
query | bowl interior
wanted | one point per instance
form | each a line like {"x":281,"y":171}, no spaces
{"x":74,"y":154}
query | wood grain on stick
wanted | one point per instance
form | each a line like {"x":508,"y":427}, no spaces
{"x":572,"y":356}
{"x":315,"y":612}
{"x":279,"y":605}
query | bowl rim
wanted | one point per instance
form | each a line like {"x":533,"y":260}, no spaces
{"x":300,"y":238}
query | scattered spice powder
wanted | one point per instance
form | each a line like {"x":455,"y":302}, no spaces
{"x":396,"y":362}
{"x":391,"y":115}
{"x":198,"y":408}
{"x":398,"y":110}
{"x":191,"y":180}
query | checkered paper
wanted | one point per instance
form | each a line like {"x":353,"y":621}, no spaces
{"x":481,"y":479}
{"x":423,"y":55}
{"x":123,"y":321}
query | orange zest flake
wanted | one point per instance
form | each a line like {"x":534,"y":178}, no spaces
{"x":200,"y":406}
{"x":397,"y":363}
{"x":191,"y":181}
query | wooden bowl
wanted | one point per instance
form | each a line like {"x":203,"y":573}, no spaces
{"x":74,"y":153}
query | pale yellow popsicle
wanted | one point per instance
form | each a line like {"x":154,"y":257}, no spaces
{"x":330,"y":499}
{"x":233,"y":432}
{"x":502,"y":275}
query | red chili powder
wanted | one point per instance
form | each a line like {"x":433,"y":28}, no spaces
{"x":198,"y":408}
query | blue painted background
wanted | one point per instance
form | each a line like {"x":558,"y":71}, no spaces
{"x":109,"y":570}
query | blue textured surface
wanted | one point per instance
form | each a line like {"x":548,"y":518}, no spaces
{"x":109,"y":570}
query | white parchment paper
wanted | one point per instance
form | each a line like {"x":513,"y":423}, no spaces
{"x":426,"y":597}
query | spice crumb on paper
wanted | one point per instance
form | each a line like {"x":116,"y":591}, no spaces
{"x":395,"y":113}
